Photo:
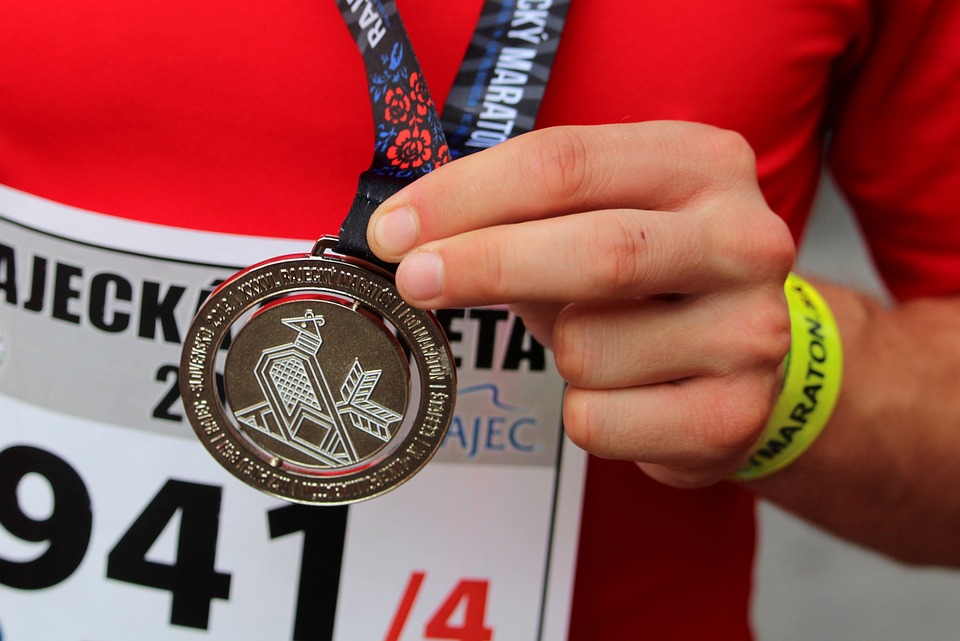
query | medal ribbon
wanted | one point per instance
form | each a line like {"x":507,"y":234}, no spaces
{"x":503,"y":77}
{"x":408,"y":136}
{"x":496,"y":96}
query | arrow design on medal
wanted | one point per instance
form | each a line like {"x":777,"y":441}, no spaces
{"x":299,"y":407}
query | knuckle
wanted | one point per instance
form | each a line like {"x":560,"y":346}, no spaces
{"x":772,"y":324}
{"x":490,"y":280}
{"x":764,"y":337}
{"x":616,"y":259}
{"x":774,"y":245}
{"x":559,"y":162}
{"x":757,"y":246}
{"x":569,"y":348}
{"x":579,"y":345}
{"x":728,"y":150}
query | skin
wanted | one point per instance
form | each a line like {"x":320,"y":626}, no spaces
{"x":646,"y":258}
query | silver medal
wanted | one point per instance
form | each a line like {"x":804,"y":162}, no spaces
{"x":334,"y":389}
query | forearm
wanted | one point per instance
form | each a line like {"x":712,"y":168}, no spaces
{"x":884,"y":472}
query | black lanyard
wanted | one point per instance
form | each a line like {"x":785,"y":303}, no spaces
{"x":503,"y":77}
{"x":496,"y":95}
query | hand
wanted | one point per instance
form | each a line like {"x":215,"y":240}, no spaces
{"x":643,"y":254}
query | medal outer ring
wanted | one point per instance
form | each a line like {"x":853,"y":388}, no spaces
{"x":316,"y":273}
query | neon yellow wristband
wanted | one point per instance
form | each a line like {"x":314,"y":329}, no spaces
{"x":811,"y":384}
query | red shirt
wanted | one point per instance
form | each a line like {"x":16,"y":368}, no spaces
{"x":252,"y":118}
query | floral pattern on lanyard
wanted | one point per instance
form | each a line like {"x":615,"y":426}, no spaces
{"x":408,"y":131}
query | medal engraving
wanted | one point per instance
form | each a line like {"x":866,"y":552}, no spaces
{"x":322,"y":403}
{"x":315,"y":401}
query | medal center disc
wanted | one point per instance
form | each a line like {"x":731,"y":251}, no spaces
{"x":317,"y":384}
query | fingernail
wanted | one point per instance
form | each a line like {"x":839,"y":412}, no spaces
{"x":420,"y":276}
{"x":396,"y":232}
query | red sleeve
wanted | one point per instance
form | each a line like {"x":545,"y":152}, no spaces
{"x":896,"y":151}
{"x":660,"y":563}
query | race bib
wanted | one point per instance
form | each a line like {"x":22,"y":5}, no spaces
{"x":116,"y":524}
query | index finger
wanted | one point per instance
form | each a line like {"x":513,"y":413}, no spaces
{"x":557,"y":171}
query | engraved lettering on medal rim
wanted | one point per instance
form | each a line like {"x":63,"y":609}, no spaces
{"x":254,"y":470}
{"x":199,"y":354}
{"x":228,"y":450}
{"x":258,"y":285}
{"x":212,"y":428}
{"x":205,"y":416}
{"x":436,"y":361}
